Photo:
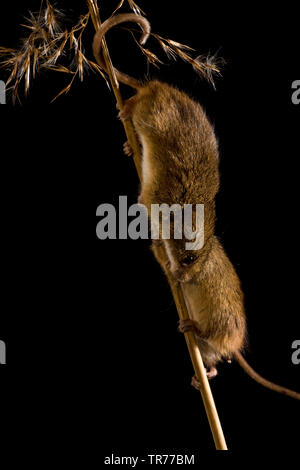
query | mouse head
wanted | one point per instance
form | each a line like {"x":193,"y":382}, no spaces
{"x":187,"y":255}
{"x":185,"y":265}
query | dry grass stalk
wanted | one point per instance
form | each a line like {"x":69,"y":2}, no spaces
{"x":45,"y":45}
{"x":195,"y":355}
{"x":48,"y":42}
{"x":206,"y":66}
{"x":128,"y":126}
{"x":134,"y":7}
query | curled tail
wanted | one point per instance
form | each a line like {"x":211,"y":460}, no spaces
{"x":266,"y":383}
{"x":110,"y":23}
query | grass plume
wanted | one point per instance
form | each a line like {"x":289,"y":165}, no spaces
{"x":48,"y":42}
{"x":50,"y":45}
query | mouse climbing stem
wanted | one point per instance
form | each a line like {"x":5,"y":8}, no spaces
{"x":197,"y":362}
{"x":176,"y":289}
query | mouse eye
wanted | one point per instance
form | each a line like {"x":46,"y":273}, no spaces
{"x":189,"y":259}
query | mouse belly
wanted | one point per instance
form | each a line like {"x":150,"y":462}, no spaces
{"x":198,"y":311}
{"x":209,"y":354}
{"x":198,"y":306}
{"x":220,"y":339}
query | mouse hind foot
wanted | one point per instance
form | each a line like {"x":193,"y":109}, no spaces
{"x":208,"y":353}
{"x":210,"y":373}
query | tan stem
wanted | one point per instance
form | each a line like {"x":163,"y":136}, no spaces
{"x":128,"y":126}
{"x":176,"y":289}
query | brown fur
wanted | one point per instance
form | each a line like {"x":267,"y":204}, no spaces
{"x":180,"y":159}
{"x":180,"y":166}
{"x":215,"y":303}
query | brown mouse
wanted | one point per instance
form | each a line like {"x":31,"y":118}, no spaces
{"x":179,"y":148}
{"x":180,"y":165}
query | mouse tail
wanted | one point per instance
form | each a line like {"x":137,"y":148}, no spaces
{"x":261,"y":380}
{"x":98,"y":44}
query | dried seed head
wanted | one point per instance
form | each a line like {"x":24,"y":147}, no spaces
{"x":46,"y":43}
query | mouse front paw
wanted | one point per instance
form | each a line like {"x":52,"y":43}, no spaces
{"x":127,"y":110}
{"x":188,"y":324}
{"x":127,"y":149}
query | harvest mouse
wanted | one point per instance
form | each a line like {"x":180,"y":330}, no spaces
{"x":180,"y":165}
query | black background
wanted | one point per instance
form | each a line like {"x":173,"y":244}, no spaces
{"x":90,"y":325}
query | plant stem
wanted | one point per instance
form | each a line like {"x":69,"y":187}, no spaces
{"x":128,"y":126}
{"x":176,"y":289}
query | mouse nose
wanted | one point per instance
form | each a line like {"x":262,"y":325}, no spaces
{"x":180,"y":275}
